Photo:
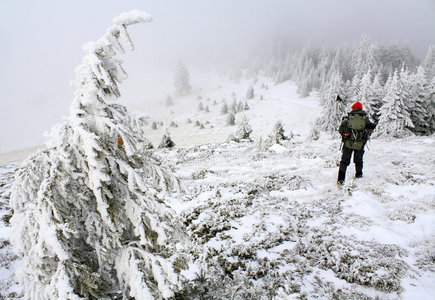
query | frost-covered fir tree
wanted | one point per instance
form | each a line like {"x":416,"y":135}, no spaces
{"x":277,"y":135}
{"x":231,"y":119}
{"x":166,"y":141}
{"x":375,"y":99}
{"x":419,"y":102}
{"x":395,"y":118}
{"x":233,"y":106}
{"x":333,"y":110}
{"x":364,"y":92}
{"x":432,"y":105}
{"x":90,"y":219}
{"x":224,"y":108}
{"x":429,"y":62}
{"x":240,"y":106}
{"x":169,"y":101}
{"x":244,"y":130}
{"x":250,"y":93}
{"x":182,"y":81}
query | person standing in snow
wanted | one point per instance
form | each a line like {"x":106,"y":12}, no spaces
{"x":355,"y":130}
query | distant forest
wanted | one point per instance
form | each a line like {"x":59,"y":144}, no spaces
{"x":395,"y":88}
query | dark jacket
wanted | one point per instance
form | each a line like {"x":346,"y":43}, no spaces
{"x":346,"y":132}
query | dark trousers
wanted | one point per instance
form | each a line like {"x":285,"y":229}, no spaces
{"x":345,"y":161}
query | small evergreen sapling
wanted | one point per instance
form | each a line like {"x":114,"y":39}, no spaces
{"x":250,"y":93}
{"x":166,"y":141}
{"x":243,"y":131}
{"x":169,"y":101}
{"x":89,"y":219}
{"x":231,"y":119}
{"x":277,"y":135}
{"x":224,"y":108}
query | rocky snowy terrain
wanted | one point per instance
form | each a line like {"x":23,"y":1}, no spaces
{"x":267,"y":221}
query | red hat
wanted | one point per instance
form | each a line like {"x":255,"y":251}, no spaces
{"x":357,"y":105}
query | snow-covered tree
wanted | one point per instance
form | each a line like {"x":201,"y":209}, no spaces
{"x":154,"y":125}
{"x":166,"y":141}
{"x":169,"y":101}
{"x":395,"y":118}
{"x":233,"y":106}
{"x":224,"y":108}
{"x":231,"y":119}
{"x":374,"y":101}
{"x":240,"y":106}
{"x":419,"y":101}
{"x":429,"y":62}
{"x":250,"y":93}
{"x":244,"y":130}
{"x":200,"y":106}
{"x":431,"y":107}
{"x":90,"y":219}
{"x":277,"y":135}
{"x":365,"y":93}
{"x":333,"y":110}
{"x":181,"y":80}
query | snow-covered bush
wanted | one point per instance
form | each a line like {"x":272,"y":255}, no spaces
{"x":90,"y":221}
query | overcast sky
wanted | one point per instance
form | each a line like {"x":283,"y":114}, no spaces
{"x":41,"y":43}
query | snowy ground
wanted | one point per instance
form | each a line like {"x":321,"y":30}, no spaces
{"x":271,"y":222}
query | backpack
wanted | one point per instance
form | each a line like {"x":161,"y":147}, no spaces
{"x":355,"y":137}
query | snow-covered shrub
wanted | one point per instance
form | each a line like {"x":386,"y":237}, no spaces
{"x":90,"y":221}
{"x":366,"y":263}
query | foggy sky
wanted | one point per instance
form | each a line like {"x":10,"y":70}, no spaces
{"x":41,"y":44}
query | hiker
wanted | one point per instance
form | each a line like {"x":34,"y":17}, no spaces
{"x":355,"y":130}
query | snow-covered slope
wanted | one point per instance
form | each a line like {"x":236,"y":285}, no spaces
{"x":270,"y":222}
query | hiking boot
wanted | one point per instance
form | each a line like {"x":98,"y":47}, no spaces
{"x":340,"y":182}
{"x":358,"y":175}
